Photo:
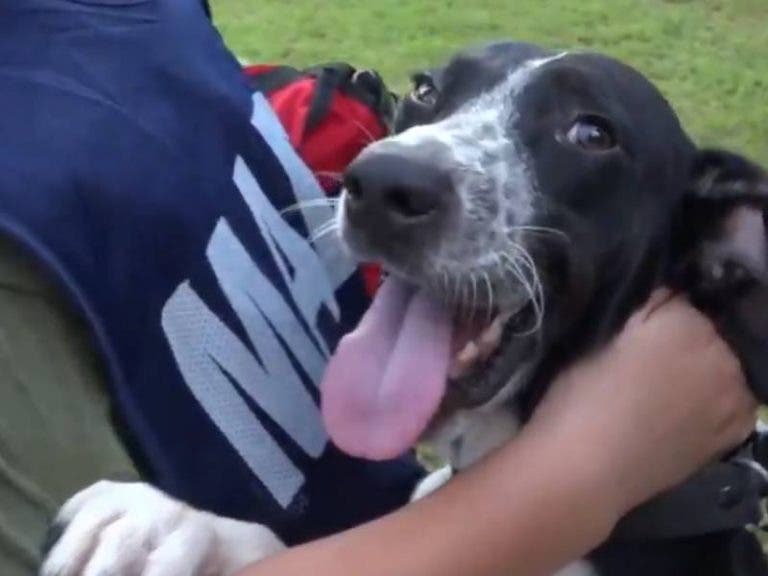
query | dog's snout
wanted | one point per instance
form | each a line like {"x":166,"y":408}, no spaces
{"x":396,"y":190}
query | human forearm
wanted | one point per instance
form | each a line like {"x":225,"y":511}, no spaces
{"x":513,"y":514}
{"x":662,"y":400}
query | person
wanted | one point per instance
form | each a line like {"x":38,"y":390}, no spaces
{"x":161,"y":317}
{"x":534,"y":505}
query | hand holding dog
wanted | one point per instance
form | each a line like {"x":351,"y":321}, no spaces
{"x":663,"y":399}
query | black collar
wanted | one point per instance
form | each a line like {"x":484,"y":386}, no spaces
{"x":724,"y":496}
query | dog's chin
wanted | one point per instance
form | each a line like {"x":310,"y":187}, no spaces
{"x":478,"y":412}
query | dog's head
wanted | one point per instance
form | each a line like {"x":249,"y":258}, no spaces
{"x":528,"y":201}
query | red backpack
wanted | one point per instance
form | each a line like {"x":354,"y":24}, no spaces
{"x":330,"y":112}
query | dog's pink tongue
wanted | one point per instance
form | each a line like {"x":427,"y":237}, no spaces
{"x":387,"y":378}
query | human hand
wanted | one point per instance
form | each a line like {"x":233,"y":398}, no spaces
{"x":663,"y":399}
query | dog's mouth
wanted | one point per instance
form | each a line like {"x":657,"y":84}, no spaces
{"x":477,"y":371}
{"x":389,"y":378}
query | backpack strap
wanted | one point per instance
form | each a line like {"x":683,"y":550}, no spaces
{"x":365,"y":86}
{"x":268,"y":78}
{"x":330,"y":112}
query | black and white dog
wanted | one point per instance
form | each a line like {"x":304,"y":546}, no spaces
{"x":528,"y":202}
{"x":541,"y":196}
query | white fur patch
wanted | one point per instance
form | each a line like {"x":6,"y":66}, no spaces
{"x":133,"y":528}
{"x":479,"y":148}
{"x":432,"y":483}
{"x":468,"y":435}
{"x":581,"y":568}
{"x":743,"y":241}
{"x":479,"y":128}
{"x":477,"y":139}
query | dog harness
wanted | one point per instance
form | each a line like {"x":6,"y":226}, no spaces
{"x":141,"y":169}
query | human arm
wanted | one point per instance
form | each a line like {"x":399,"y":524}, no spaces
{"x":55,"y":430}
{"x":662,"y":400}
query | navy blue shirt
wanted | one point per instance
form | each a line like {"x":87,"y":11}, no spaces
{"x":138,"y":166}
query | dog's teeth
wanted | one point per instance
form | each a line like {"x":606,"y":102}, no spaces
{"x":491,"y":337}
{"x":469,"y":354}
{"x":479,"y":349}
{"x":463,"y":361}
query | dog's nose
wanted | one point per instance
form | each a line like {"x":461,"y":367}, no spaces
{"x":396,"y":190}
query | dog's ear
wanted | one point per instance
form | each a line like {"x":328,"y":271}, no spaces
{"x":722,"y":254}
{"x":416,"y":106}
{"x":722,"y":226}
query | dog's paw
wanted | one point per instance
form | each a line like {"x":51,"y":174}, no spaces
{"x":133,"y":529}
{"x":581,"y":568}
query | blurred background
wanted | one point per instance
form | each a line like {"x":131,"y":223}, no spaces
{"x":710,"y":57}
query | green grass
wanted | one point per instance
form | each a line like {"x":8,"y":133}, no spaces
{"x":710,"y":57}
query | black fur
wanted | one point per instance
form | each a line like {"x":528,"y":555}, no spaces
{"x":649,"y":211}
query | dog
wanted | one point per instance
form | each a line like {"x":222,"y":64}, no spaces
{"x":540,"y":197}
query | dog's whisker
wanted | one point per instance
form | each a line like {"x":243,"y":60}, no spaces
{"x":315,"y":203}
{"x":320,"y":232}
{"x":535,"y":284}
{"x":539,"y":289}
{"x":446,"y":278}
{"x":473,"y":279}
{"x":541,"y":230}
{"x":527,"y":260}
{"x":467,"y":293}
{"x":457,"y":283}
{"x":457,"y":292}
{"x":438,"y":282}
{"x":323,"y":234}
{"x":324,"y":229}
{"x":489,"y":287}
{"x":512,"y":267}
{"x":529,"y":285}
{"x":464,"y":300}
{"x":329,"y":222}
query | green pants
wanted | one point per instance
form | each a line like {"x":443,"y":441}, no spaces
{"x":55,"y":432}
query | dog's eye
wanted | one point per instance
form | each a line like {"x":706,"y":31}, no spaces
{"x":425,"y":92}
{"x":592,"y":133}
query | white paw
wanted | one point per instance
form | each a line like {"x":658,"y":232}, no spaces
{"x":435,"y":480}
{"x":124,"y":529}
{"x":581,"y":568}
